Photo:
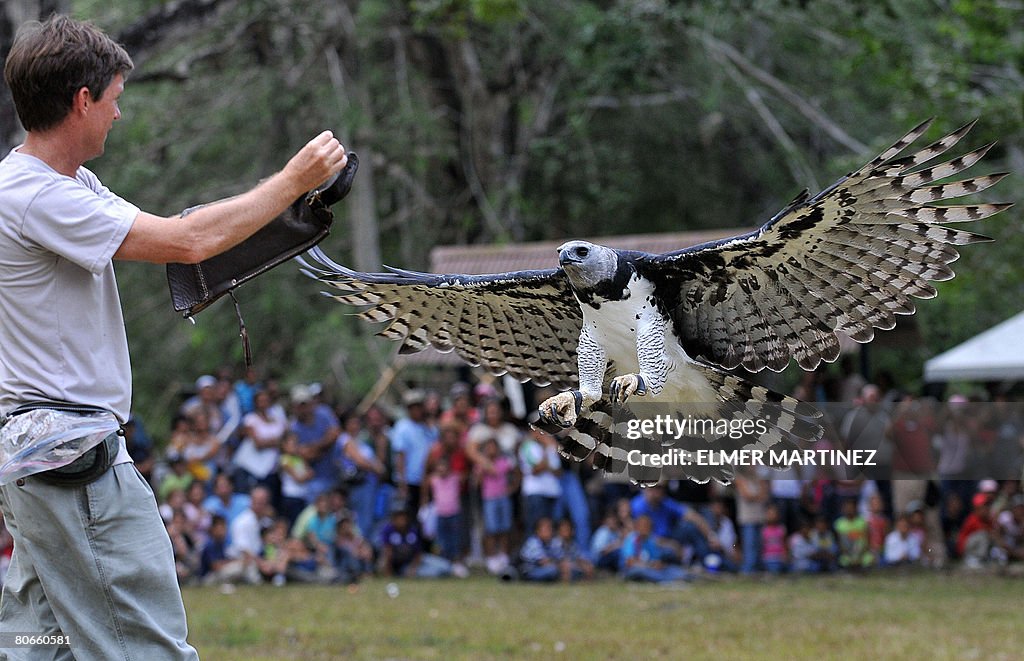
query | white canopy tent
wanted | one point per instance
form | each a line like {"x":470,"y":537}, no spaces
{"x":995,"y":355}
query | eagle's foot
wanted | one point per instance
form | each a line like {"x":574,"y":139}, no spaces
{"x":624,"y":386}
{"x":562,"y":409}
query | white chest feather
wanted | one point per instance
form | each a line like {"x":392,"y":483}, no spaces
{"x":614,"y":324}
{"x":617,"y":325}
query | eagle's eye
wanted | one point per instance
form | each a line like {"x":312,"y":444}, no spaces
{"x":582,"y":252}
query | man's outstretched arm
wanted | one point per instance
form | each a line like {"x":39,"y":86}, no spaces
{"x":212,"y":229}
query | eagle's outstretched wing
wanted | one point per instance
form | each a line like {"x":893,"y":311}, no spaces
{"x":845,"y":261}
{"x":525,"y":323}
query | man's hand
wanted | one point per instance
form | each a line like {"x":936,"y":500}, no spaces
{"x":321,"y":158}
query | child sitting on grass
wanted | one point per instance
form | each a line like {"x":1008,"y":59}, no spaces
{"x":539,"y":556}
{"x":569,"y":552}
{"x":802,"y":549}
{"x":273,"y":560}
{"x":852,"y":531}
{"x":902,"y":546}
{"x":353,"y":555}
{"x":827,"y":548}
{"x":645,"y":558}
{"x":606,"y":542}
{"x":401,"y":549}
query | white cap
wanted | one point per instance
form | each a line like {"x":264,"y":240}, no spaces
{"x":301,"y":394}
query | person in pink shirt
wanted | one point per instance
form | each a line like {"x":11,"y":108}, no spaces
{"x":497,"y":504}
{"x":773,"y":541}
{"x":443,"y":489}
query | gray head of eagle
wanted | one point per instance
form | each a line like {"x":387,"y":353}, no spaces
{"x":591,"y":268}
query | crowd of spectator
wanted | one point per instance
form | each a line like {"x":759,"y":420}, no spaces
{"x":256,"y":485}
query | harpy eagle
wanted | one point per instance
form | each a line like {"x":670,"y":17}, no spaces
{"x":608,"y":325}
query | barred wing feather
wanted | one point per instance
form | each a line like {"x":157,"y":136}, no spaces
{"x":525,"y":323}
{"x":846,"y":261}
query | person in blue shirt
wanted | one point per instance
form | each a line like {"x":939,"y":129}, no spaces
{"x":246,"y":389}
{"x":606,"y":543}
{"x":401,"y":549}
{"x":317,"y":429}
{"x":646,"y":558}
{"x":664,"y":512}
{"x":323,"y":525}
{"x":214,"y":555}
{"x":224,"y":501}
{"x":411,"y":440}
{"x":671,"y":519}
{"x":539,"y":555}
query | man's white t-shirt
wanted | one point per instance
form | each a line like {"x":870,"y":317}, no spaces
{"x":62,"y":334}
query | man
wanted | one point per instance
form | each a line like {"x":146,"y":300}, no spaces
{"x":245,"y":532}
{"x":674,"y":520}
{"x":205,"y":400}
{"x":317,"y":429}
{"x":411,"y":440}
{"x":317,"y":524}
{"x":913,"y":462}
{"x":93,"y":561}
{"x":867,"y":427}
{"x":246,"y":388}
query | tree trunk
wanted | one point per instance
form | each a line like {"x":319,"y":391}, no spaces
{"x":351,"y":93}
{"x":362,"y":209}
{"x":12,"y":15}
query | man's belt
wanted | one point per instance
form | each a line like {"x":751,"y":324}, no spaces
{"x":86,"y":468}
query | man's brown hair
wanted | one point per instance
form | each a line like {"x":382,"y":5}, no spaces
{"x":50,"y":61}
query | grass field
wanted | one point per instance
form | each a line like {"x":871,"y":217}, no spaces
{"x":920,"y":616}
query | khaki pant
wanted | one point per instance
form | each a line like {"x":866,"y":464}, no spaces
{"x":906,"y":491}
{"x":93,"y":562}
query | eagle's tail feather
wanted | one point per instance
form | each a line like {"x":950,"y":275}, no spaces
{"x":601,"y":433}
{"x":784,"y":416}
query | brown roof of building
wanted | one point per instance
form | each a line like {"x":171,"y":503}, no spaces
{"x":478,"y":259}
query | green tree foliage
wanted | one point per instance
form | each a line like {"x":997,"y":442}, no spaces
{"x":509,"y":120}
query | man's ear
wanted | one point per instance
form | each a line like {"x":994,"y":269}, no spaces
{"x":82,"y":100}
